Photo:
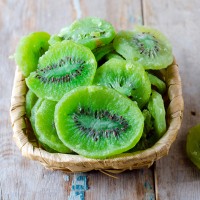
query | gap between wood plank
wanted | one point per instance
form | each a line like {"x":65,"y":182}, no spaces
{"x":142,"y":11}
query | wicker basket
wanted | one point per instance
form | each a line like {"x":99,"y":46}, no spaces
{"x":77,"y":163}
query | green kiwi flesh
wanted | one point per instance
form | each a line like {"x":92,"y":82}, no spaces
{"x":157,"y":110}
{"x":45,"y":128}
{"x":145,"y":45}
{"x":31,"y":99}
{"x":193,"y":145}
{"x":29,"y":50}
{"x":66,"y":65}
{"x":148,"y":138}
{"x":113,"y":55}
{"x":148,"y":123}
{"x":33,"y":113}
{"x":100,"y":52}
{"x":127,"y":78}
{"x":92,"y":32}
{"x":95,"y":126}
{"x":32,"y":120}
{"x":158,"y":83}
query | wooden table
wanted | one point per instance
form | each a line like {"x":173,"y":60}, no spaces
{"x":172,"y":177}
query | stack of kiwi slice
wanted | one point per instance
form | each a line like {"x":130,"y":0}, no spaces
{"x":95,"y":92}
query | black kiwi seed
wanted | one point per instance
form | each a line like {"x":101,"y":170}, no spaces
{"x":115,"y":133}
{"x":99,"y":114}
{"x":62,"y":78}
{"x":106,"y":133}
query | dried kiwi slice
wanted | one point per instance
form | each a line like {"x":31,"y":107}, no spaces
{"x":92,"y":32}
{"x":145,"y":45}
{"x":33,"y":113}
{"x":157,"y":110}
{"x":32,"y":120}
{"x":148,"y":138}
{"x":158,"y":83}
{"x":148,"y":124}
{"x":98,"y":122}
{"x":127,"y":78}
{"x":29,"y":50}
{"x":31,"y":99}
{"x":193,"y":145}
{"x":100,"y":52}
{"x":45,"y":127}
{"x":113,"y":55}
{"x":65,"y":66}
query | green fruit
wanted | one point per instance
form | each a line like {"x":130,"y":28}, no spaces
{"x":100,"y":52}
{"x":31,"y":99}
{"x":54,"y":39}
{"x":98,"y":122}
{"x":148,"y":123}
{"x":157,"y":110}
{"x":33,"y":113}
{"x":65,"y":66}
{"x":113,"y":55}
{"x":193,"y":145}
{"x":125,"y":77}
{"x":29,"y":50}
{"x":32,"y":120}
{"x":92,"y":32}
{"x":145,"y":45}
{"x":148,"y":139}
{"x":158,"y":83}
{"x":45,"y":127}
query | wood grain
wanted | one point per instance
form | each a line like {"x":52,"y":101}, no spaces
{"x":177,"y":177}
{"x":21,"y":178}
{"x":137,"y":184}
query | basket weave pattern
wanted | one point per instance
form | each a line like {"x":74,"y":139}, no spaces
{"x":77,"y":163}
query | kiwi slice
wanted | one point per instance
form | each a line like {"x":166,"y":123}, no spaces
{"x":157,"y":110}
{"x":32,"y":120}
{"x":145,"y":45}
{"x":193,"y":145}
{"x":54,"y":39}
{"x":45,"y":127}
{"x":29,"y":50}
{"x":113,"y":55}
{"x":95,"y":126}
{"x":33,"y":113}
{"x":148,"y":138}
{"x":158,"y":83}
{"x":31,"y":99}
{"x":66,"y":65}
{"x":148,"y":123}
{"x":100,"y":52}
{"x":92,"y":32}
{"x":127,"y":78}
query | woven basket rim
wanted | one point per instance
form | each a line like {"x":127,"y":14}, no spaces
{"x":75,"y":163}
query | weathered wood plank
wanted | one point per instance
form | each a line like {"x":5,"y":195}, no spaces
{"x":137,"y":184}
{"x":122,"y":14}
{"x":177,"y":177}
{"x":21,"y":178}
